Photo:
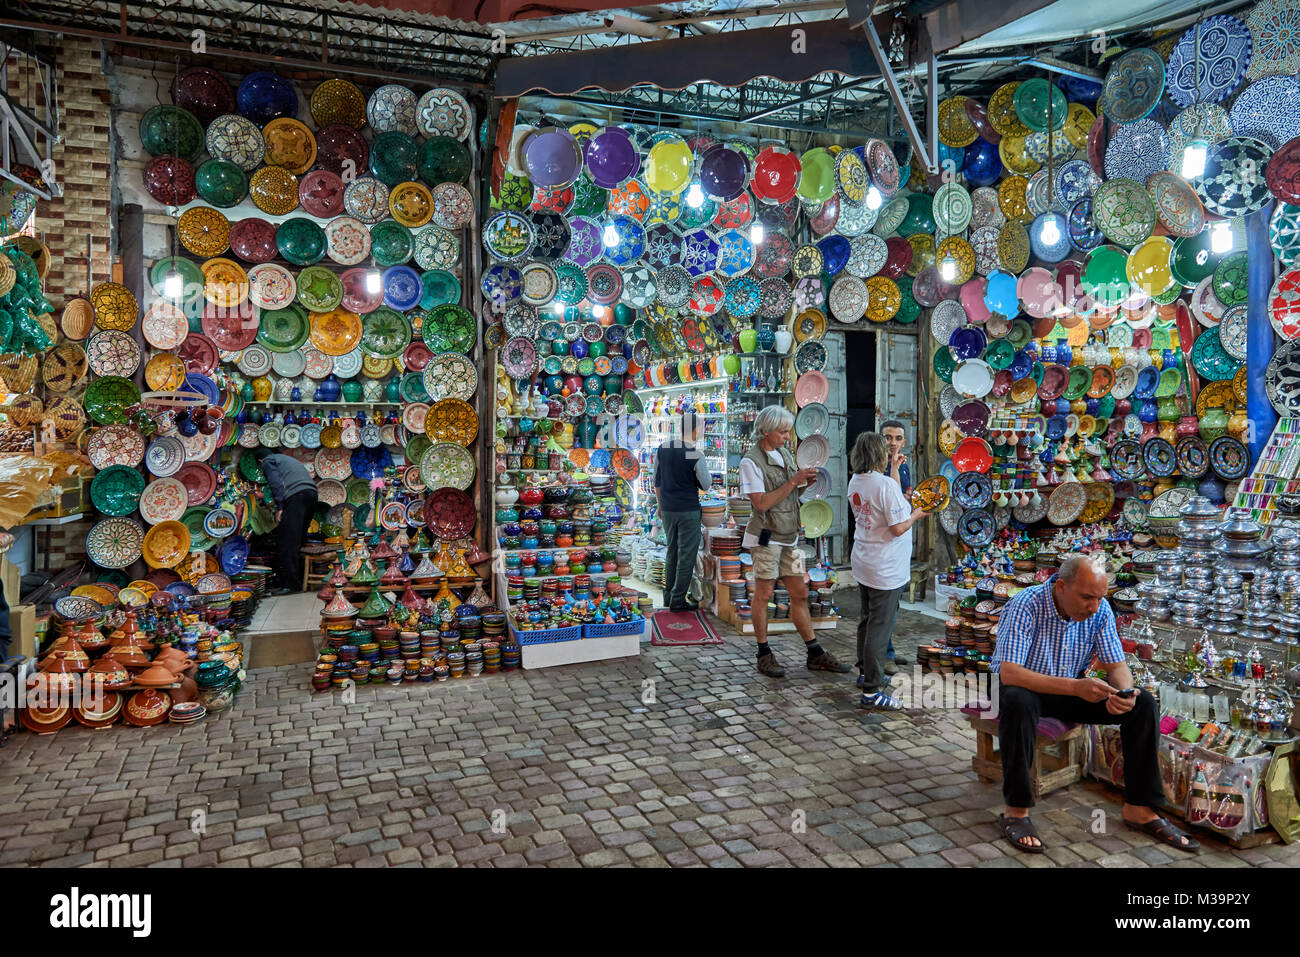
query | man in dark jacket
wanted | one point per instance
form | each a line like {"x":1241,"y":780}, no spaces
{"x":681,"y":473}
{"x":294,"y":493}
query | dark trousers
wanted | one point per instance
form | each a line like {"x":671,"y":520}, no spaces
{"x":875,"y":632}
{"x":1019,"y":710}
{"x":682,"y":534}
{"x":295,"y":516}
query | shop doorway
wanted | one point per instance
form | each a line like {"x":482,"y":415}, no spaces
{"x":860,"y":400}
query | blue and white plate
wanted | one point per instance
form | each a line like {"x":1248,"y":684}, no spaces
{"x":735,"y":253}
{"x":1268,"y":110}
{"x":699,"y":252}
{"x":631,"y":241}
{"x":1233,"y":183}
{"x":1074,"y":181}
{"x":1137,"y":150}
{"x":402,"y":288}
{"x":1209,"y":61}
{"x":663,"y":246}
{"x":743,"y":296}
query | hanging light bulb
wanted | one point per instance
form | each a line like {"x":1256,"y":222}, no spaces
{"x":1194,"y":159}
{"x":1221,"y":239}
{"x":173,"y":284}
{"x":948,"y":268}
{"x":695,"y":196}
{"x":559,"y":309}
{"x":1050,"y":234}
{"x":874,"y":199}
{"x":756,"y":234}
{"x":610,"y":236}
{"x":597,"y":312}
{"x":374,"y":281}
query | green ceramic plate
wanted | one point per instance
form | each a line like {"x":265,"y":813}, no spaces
{"x":358,"y":492}
{"x":1037,"y":372}
{"x":411,"y":388}
{"x":390,"y":243}
{"x":385,"y":333}
{"x":443,"y":160}
{"x":1193,"y":258}
{"x":1230,"y":280}
{"x":220,"y":183}
{"x":116,"y":490}
{"x":1040,"y":104}
{"x":284,"y":330}
{"x":944,"y":363}
{"x":319,"y":289}
{"x":440,"y":288}
{"x":920,"y":215}
{"x":251,"y":469}
{"x":200,"y":540}
{"x":590,"y":200}
{"x":817,"y":517}
{"x":300,"y":241}
{"x":1019,"y":334}
{"x":190,"y":273}
{"x":450,"y":328}
{"x":106,"y":399}
{"x":393,"y":157}
{"x":1000,"y":354}
{"x":171,"y":131}
{"x":416,"y":446}
{"x":1078,"y":383}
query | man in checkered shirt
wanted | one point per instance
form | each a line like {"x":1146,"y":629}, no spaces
{"x":1047,"y":637}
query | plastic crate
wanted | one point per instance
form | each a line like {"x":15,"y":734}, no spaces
{"x":619,"y":628}
{"x":547,"y":635}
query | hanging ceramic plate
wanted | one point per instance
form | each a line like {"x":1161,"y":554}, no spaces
{"x":115,"y":542}
{"x":366,"y":199}
{"x":270,"y":286}
{"x":444,"y":113}
{"x":115,"y":445}
{"x":112,"y":352}
{"x":1124,"y":211}
{"x":1233,"y":184}
{"x":236,"y":139}
{"x":163,"y":500}
{"x":1229,"y":458}
{"x":810,"y":357}
{"x":165,"y":457}
{"x":1137,"y":150}
{"x":1177,"y":205}
{"x":1209,"y":61}
{"x":1284,"y":305}
{"x":282,"y":330}
{"x":1133,"y":86}
{"x":385,"y":333}
{"x":392,"y":107}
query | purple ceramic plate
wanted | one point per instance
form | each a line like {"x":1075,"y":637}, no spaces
{"x":967,"y":343}
{"x":724,"y":173}
{"x":611,"y":157}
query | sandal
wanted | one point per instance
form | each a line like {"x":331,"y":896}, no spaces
{"x":1015,"y":829}
{"x":1162,"y":830}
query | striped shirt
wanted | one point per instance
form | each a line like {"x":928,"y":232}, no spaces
{"x":1032,"y":633}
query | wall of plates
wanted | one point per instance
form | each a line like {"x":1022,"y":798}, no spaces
{"x":304,"y":291}
{"x":1088,"y":279}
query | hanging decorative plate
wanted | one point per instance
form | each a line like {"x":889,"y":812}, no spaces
{"x":1233,"y":184}
{"x":810,"y":357}
{"x":1158,"y":456}
{"x":115,"y":306}
{"x":116,"y":490}
{"x":236,"y":139}
{"x":1231,"y":280}
{"x":977,"y":527}
{"x":776,"y":298}
{"x":115,"y":445}
{"x":743,"y":297}
{"x":1124,"y":211}
{"x":1209,"y":61}
{"x":450,"y":328}
{"x":1229,"y":458}
{"x":385,"y":333}
{"x":438,"y":248}
{"x":1039,"y":104}
{"x":1177,"y":205}
{"x":270,"y":286}
{"x":735,"y":254}
{"x":867,"y":255}
{"x":281,"y":330}
{"x":107,"y":398}
{"x":883,"y":166}
{"x":851,"y":179}
{"x":1133,"y":86}
{"x":402,"y":288}
{"x":1284,"y":304}
{"x":1211,"y":362}
{"x":848,"y":299}
{"x":335,"y":333}
{"x":115,"y":542}
{"x":1232,"y":331}
{"x":366,"y":199}
{"x":1137,"y":150}
{"x":1066,"y":503}
{"x":165,"y":457}
{"x":955,"y":126}
{"x":411,"y":204}
{"x":444,"y":113}
{"x":274,"y":190}
{"x":807,"y":261}
{"x":952,"y":208}
{"x":453,"y":420}
{"x":163,"y":500}
{"x":392,"y":107}
{"x":1191,"y":457}
{"x":674,"y":286}
{"x":450,"y":375}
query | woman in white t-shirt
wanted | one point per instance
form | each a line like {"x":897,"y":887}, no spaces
{"x":882,"y":557}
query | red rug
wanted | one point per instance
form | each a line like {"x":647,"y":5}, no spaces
{"x":682,"y":628}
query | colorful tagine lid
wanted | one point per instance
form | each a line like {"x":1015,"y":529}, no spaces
{"x":365,"y":575}
{"x":426,"y":570}
{"x":339,"y":607}
{"x":376,"y":605}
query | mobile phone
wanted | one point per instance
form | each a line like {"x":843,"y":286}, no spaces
{"x":1127,"y":692}
{"x":764,"y":536}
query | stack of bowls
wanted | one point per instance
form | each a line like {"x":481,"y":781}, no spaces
{"x":713,"y":512}
{"x":491,"y":657}
{"x":510,"y":656}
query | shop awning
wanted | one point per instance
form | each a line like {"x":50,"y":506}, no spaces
{"x":727,"y":59}
{"x":490,"y":11}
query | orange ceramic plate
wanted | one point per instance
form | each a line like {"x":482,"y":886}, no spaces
{"x":164,"y":372}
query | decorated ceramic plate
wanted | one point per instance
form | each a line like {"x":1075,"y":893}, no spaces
{"x":1124,"y":211}
{"x":1209,"y":61}
{"x":1234,"y":184}
{"x":1133,"y":86}
{"x":115,"y":542}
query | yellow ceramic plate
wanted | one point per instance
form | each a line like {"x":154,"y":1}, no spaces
{"x":955,"y":127}
{"x":962,"y":253}
{"x":335,"y":333}
{"x":1077,"y":124}
{"x":164,"y":372}
{"x":1023,"y":390}
{"x":145,"y":586}
{"x":1239,"y":386}
{"x":1012,"y":199}
{"x":115,"y":306}
{"x":210,"y":567}
{"x":1013,"y":247}
{"x":225,"y":283}
{"x":809,"y":324}
{"x":97,"y":593}
{"x":274,"y":190}
{"x":451,"y":420}
{"x":949,"y":437}
{"x":1216,"y":395}
{"x":289,"y":143}
{"x":883,"y":299}
{"x":1148,"y":265}
{"x":931,"y":495}
{"x":331,"y":437}
{"x":338,"y":101}
{"x":922,"y":253}
{"x":1002,"y":111}
{"x":411,"y":204}
{"x":204,"y":231}
{"x":373,"y":368}
{"x":1015,"y":157}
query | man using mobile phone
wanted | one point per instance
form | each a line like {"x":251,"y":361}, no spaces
{"x":770,"y":478}
{"x":896,"y":468}
{"x":1047,"y":635}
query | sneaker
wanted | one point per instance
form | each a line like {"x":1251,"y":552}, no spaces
{"x":880,"y":702}
{"x":827,"y":662}
{"x":768,"y":665}
{"x":890,"y":667}
{"x":280,"y":591}
{"x":685,"y":606}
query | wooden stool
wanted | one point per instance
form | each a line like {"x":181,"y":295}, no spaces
{"x":1058,"y":761}
{"x":318,"y":560}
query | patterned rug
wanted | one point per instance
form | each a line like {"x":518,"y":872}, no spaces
{"x":682,"y":628}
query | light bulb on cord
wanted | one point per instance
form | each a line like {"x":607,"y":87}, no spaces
{"x":874,"y":199}
{"x":559,"y":309}
{"x":374,"y":281}
{"x":695,"y":196}
{"x":610,"y":237}
{"x":756,"y":233}
{"x":173,"y":284}
{"x":1194,"y":159}
{"x":597,"y":312}
{"x":948,"y":269}
{"x":1050,"y":233}
{"x":1221,"y":237}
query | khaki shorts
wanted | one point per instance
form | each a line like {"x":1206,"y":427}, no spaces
{"x":777,"y":561}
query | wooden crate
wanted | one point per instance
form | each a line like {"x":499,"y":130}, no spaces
{"x":1057,"y":761}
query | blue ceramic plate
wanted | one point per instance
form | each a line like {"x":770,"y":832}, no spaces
{"x":1209,"y":61}
{"x":197,"y":382}
{"x":967,"y":343}
{"x":234,"y":554}
{"x":1147,"y":381}
{"x":402,"y":288}
{"x":836,"y":251}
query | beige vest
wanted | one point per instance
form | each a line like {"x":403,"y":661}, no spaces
{"x":782,"y":519}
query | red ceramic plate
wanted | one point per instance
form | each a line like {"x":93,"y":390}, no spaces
{"x":416,"y":357}
{"x":320,"y":192}
{"x":776,"y":175}
{"x":1282,"y":173}
{"x":355,"y":296}
{"x":199,"y":481}
{"x":1097,"y":140}
{"x":450,"y":513}
{"x":1055,"y":378}
{"x":335,"y":145}
{"x":231,"y":329}
{"x":900,"y":257}
{"x":253,"y":240}
{"x":199,"y":353}
{"x":973,"y":455}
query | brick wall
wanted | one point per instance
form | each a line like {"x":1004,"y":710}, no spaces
{"x":82,"y":167}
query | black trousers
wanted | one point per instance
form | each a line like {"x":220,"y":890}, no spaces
{"x":295,"y":516}
{"x":1019,"y":710}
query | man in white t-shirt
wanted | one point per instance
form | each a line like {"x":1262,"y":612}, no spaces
{"x":882,"y":560}
{"x":769,"y":477}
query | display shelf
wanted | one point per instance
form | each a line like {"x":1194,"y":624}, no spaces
{"x":1276,"y":472}
{"x":702,"y":383}
{"x":312,"y":405}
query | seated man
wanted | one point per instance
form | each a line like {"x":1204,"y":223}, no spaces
{"x":1047,"y":635}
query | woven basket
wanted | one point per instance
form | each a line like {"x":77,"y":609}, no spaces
{"x":39,"y":252}
{"x":78,"y":318}
{"x":25,"y":410}
{"x":69,"y":418}
{"x":18,"y":371}
{"x":7,"y":276}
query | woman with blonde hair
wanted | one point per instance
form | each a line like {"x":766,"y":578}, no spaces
{"x":882,"y":558}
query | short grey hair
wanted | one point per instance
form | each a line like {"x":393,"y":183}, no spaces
{"x":1077,"y":560}
{"x":772,"y":419}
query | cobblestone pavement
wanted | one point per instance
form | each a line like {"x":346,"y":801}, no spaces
{"x":571,"y":767}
